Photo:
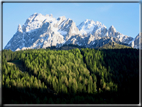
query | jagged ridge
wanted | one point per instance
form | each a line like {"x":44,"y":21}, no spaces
{"x":41,"y":31}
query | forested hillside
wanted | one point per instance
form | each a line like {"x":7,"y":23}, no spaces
{"x":70,"y":76}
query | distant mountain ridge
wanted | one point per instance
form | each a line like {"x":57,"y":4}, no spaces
{"x":41,"y":31}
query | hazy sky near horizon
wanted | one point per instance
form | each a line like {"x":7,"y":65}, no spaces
{"x":123,"y":16}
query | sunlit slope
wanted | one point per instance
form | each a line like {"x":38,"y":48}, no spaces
{"x":114,"y":45}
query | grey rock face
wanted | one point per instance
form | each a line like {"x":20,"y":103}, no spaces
{"x":16,"y":40}
{"x":137,"y":42}
{"x":41,"y":31}
{"x":69,"y":27}
{"x":112,"y":31}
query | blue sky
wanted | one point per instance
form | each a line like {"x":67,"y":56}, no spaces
{"x":123,"y":16}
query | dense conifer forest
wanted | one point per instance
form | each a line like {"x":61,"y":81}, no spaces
{"x":76,"y":76}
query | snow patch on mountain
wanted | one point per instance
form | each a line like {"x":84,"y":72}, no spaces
{"x":35,"y":21}
{"x":88,"y":26}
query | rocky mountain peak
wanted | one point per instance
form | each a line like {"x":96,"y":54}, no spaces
{"x":51,"y":15}
{"x":88,"y":21}
{"x":61,"y":18}
{"x":19,"y":29}
{"x":112,"y":29}
{"x":137,"y":42}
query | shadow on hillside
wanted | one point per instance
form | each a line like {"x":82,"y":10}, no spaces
{"x":16,"y":95}
{"x":128,"y":86}
{"x":19,"y":64}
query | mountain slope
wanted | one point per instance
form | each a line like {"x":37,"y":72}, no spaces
{"x":113,"y":45}
{"x":137,"y":41}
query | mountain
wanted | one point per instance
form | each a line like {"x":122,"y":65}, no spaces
{"x":136,"y":42}
{"x":90,"y":27}
{"x":42,"y":31}
{"x":65,"y":47}
{"x":113,"y":45}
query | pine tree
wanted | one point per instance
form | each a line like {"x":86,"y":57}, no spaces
{"x":94,"y":87}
